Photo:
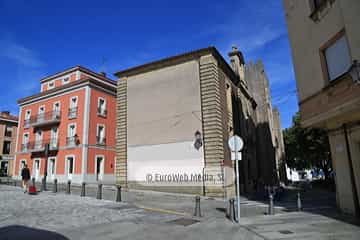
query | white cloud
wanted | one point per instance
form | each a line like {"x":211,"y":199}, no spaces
{"x":19,"y":53}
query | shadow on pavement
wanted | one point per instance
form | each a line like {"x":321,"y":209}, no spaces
{"x":313,"y":200}
{"x":17,"y":232}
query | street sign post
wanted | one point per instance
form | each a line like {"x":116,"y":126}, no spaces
{"x":236,"y":144}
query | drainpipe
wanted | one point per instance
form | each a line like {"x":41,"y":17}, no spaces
{"x":352,"y":175}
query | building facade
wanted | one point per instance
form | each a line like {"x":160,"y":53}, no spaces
{"x":270,"y":144}
{"x":8,"y":130}
{"x":325,"y":41}
{"x":74,"y":115}
{"x":177,"y":114}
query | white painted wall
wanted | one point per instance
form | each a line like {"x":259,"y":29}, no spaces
{"x":168,"y":158}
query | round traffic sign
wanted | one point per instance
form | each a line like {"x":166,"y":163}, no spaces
{"x":236,"y":144}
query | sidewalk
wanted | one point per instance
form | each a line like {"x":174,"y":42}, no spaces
{"x":304,"y":225}
{"x":154,"y":215}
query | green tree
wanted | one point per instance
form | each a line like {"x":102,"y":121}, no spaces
{"x":307,"y":147}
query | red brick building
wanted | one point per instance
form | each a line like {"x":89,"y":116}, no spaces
{"x":75,"y":114}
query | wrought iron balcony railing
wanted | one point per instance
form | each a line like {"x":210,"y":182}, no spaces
{"x":73,"y":113}
{"x":39,"y":145}
{"x":72,"y":141}
{"x":42,"y":119}
{"x":26,"y":123}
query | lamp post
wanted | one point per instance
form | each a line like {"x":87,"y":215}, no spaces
{"x":47,"y":148}
{"x":354,"y":71}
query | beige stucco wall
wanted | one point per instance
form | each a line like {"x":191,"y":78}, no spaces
{"x":12,"y":139}
{"x":341,"y":164}
{"x":164,"y":105}
{"x":306,"y":38}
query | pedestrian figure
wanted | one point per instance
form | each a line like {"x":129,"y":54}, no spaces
{"x":25,"y":174}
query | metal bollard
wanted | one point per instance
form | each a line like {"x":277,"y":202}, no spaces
{"x":82,"y":194}
{"x":99,"y":191}
{"x":55,"y":186}
{"x":232,"y":212}
{"x":68,"y":187}
{"x":118,"y":193}
{"x":33,"y":181}
{"x":271,"y":205}
{"x":197,"y":212}
{"x":43,"y":184}
{"x":299,"y":202}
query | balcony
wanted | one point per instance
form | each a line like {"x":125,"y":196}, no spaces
{"x":39,"y":146}
{"x":8,"y":133}
{"x":101,"y":112}
{"x":24,"y":147}
{"x":73,"y":113}
{"x":72,"y":141}
{"x":100,"y":140}
{"x":43,"y":119}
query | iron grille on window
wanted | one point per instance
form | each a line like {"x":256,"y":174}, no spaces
{"x":72,"y":112}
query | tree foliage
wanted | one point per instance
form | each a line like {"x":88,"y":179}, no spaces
{"x":307,"y":147}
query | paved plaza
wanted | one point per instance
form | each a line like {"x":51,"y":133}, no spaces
{"x":150,"y":215}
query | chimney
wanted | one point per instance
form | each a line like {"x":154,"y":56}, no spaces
{"x":103,"y":74}
{"x":237,"y":63}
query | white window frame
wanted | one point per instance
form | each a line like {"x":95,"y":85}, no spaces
{"x":55,"y":161}
{"x":73,"y":115}
{"x":57,"y":102}
{"x":56,"y":137}
{"x":68,"y":129}
{"x":77,"y":102}
{"x":67,"y":167}
{"x":63,"y":79}
{"x":42,"y":106}
{"x":98,"y":106}
{"x":103,"y":165}
{"x":328,"y":66}
{"x":25,"y":133}
{"x":53,"y":84}
{"x":27,"y":116}
{"x":33,"y":168}
{"x":40,"y":140}
{"x":71,"y":144}
{"x":41,"y":117}
{"x":97,"y":130}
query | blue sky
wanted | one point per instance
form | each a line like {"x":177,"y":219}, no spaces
{"x":39,"y":38}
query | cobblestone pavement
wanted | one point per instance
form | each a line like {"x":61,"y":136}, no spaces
{"x":60,"y":211}
{"x":75,"y":217}
{"x":157,"y":216}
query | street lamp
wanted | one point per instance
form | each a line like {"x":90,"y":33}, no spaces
{"x":354,"y":72}
{"x":198,"y":140}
